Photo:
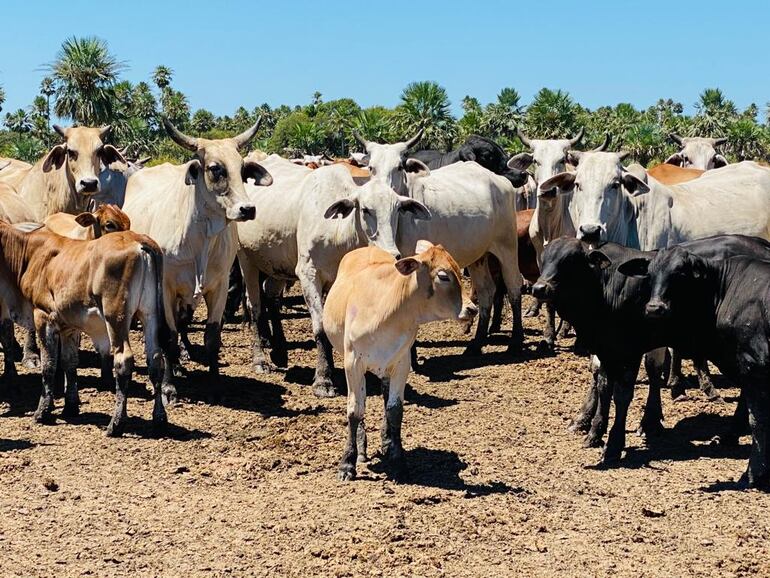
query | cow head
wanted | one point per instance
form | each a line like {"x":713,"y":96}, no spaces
{"x":388,"y":161}
{"x":219,"y":171}
{"x":82,"y":155}
{"x":549,"y":158}
{"x":674,"y":275}
{"x":602,"y":189}
{"x":378,"y":210}
{"x":104,"y":219}
{"x":697,"y":153}
{"x":565,"y":265}
{"x":439,"y":276}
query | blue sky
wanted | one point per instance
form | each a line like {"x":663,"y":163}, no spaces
{"x":226,"y":53}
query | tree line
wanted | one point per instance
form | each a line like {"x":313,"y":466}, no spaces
{"x":83,"y":85}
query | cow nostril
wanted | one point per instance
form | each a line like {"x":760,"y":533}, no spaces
{"x":89,"y":185}
{"x":248,"y":212}
{"x":397,"y":256}
{"x":540,"y":290}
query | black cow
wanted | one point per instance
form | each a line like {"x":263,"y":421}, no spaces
{"x":484,"y":151}
{"x":609,"y":310}
{"x":719,"y":309}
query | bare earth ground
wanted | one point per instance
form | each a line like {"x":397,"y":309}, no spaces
{"x":245,"y":485}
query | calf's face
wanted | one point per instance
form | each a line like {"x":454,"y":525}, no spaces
{"x":565,"y":266}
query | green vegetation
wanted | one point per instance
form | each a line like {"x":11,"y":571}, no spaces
{"x":83,"y":86}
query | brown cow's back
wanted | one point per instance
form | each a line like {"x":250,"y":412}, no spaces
{"x":673,"y":175}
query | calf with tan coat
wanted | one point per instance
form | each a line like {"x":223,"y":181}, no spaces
{"x":88,"y":226}
{"x":94,"y":287}
{"x":372,"y":314}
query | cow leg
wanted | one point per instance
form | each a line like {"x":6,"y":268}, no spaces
{"x":498,"y":303}
{"x":602,"y":415}
{"x":676,"y":380}
{"x":163,"y":393}
{"x":509,"y":266}
{"x":69,"y":343}
{"x":484,"y":287}
{"x":31,"y":357}
{"x":394,"y":413}
{"x":356,"y":378}
{"x":534,"y":309}
{"x":124,"y":368}
{"x":739,"y":425}
{"x":279,"y":353}
{"x":312,"y":289}
{"x":251,"y":279}
{"x":216,"y":299}
{"x":9,"y":377}
{"x":622,"y":384}
{"x":185,"y":318}
{"x":758,"y":404}
{"x":656,"y":364}
{"x":549,"y":333}
{"x":49,"y":337}
{"x":235,"y":290}
{"x":704,"y":379}
{"x":582,"y":421}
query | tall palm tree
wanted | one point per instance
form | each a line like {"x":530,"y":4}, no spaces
{"x":715,"y":112}
{"x":375,"y":124}
{"x":500,"y":118}
{"x":47,"y":89}
{"x":18,"y":121}
{"x":176,"y":108}
{"x":552,"y":114}
{"x":161,"y":76}
{"x":143,"y":103}
{"x":2,"y":98}
{"x":426,"y":104}
{"x":84,"y":73}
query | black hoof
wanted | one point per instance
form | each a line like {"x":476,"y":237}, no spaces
{"x":324,"y":389}
{"x":159,"y":427}
{"x":472,"y":351}
{"x":45,"y":417}
{"x":346,"y":473}
{"x":71,"y":410}
{"x":593,"y":442}
{"x":115,"y":430}
{"x":31,"y":361}
{"x":279,"y":358}
{"x":610,"y":458}
{"x":578,"y":427}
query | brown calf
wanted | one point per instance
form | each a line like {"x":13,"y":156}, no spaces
{"x":371,"y":314}
{"x":94,"y":287}
{"x":672,"y":174}
{"x":88,"y":226}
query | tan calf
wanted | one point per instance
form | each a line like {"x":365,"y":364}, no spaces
{"x":672,"y":174}
{"x":94,"y":287}
{"x":88,"y":226}
{"x":371,"y":314}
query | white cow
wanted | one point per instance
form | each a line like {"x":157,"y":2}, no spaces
{"x":387,"y":161}
{"x":187,"y":209}
{"x":697,"y":153}
{"x":268,"y":245}
{"x":113,"y":180}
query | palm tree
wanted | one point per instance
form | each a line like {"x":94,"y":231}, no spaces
{"x":746,"y":140}
{"x":84,"y":73}
{"x":501,"y":117}
{"x":18,"y":121}
{"x":375,"y":124}
{"x":161,"y":76}
{"x":426,"y":104}
{"x":143,"y":103}
{"x":645,"y":142}
{"x":552,"y":114}
{"x":714,"y":113}
{"x":47,"y":89}
{"x":175,"y":107}
{"x":202,"y":121}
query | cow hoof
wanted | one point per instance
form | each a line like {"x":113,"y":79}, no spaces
{"x":362,"y":458}
{"x":680,"y":398}
{"x":279,"y":358}
{"x":178,"y":370}
{"x":44,"y":417}
{"x":159,"y":426}
{"x":495,"y":328}
{"x":726,"y":440}
{"x":324,"y":389}
{"x":168,"y":395}
{"x":593,"y":442}
{"x":71,"y":410}
{"x":652,"y":429}
{"x":472,"y":351}
{"x":115,"y":430}
{"x":31,"y":361}
{"x":578,"y":426}
{"x":262,"y":367}
{"x":713,"y":395}
{"x":548,"y":345}
{"x":346,"y":473}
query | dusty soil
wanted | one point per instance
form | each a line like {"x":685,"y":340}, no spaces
{"x":245,"y":483}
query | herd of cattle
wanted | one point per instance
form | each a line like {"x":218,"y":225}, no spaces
{"x":654,"y":265}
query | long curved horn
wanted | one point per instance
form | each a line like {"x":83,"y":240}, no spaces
{"x":179,"y":137}
{"x":416,"y":138}
{"x":577,"y":139}
{"x":104,"y":132}
{"x":523,"y":138}
{"x":622,"y":155}
{"x":605,"y":144}
{"x":676,"y":138}
{"x":61,"y":131}
{"x":720,"y":141}
{"x":243,"y":139}
{"x":361,"y":140}
{"x":4,"y":164}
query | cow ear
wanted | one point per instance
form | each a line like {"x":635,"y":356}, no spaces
{"x":599,"y":259}
{"x":562,"y":181}
{"x":719,"y":161}
{"x":698,"y":267}
{"x":521,"y":161}
{"x":110,"y":155}
{"x":423,"y":246}
{"x":85,"y":219}
{"x":407,"y":266}
{"x":255,"y":171}
{"x":193,"y":172}
{"x":408,"y":205}
{"x":341,"y":208}
{"x":638,"y":267}
{"x":416,"y":168}
{"x":467,"y":155}
{"x":634,"y":184}
{"x":675,"y":159}
{"x":55,"y":158}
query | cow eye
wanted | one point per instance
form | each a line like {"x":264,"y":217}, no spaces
{"x":73,"y":155}
{"x":217,"y":172}
{"x":110,"y":226}
{"x":443,"y":276}
{"x":372,"y":171}
{"x":366,"y":211}
{"x":577,"y":185}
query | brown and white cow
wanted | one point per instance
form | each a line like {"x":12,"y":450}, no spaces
{"x":90,"y":225}
{"x":372,"y":314}
{"x":63,"y":180}
{"x":94,"y":287}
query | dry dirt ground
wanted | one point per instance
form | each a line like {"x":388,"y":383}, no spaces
{"x":245,"y":483}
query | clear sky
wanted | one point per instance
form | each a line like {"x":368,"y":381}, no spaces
{"x":226,"y":53}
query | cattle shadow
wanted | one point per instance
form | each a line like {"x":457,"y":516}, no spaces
{"x":138,"y":426}
{"x":441,"y":469}
{"x":7,"y":445}
{"x":441,"y":368}
{"x":240,"y":393}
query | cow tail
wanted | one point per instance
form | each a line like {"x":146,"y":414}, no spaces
{"x":164,"y":331}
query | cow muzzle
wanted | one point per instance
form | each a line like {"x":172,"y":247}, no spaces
{"x":590,"y":233}
{"x":88,"y":186}
{"x":542,"y":290}
{"x":657,"y":309}
{"x":467,"y":314}
{"x":242,"y":212}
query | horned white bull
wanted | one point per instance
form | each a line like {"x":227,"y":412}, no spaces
{"x":698,"y":153}
{"x":187,"y":209}
{"x":68,"y":175}
{"x":387,"y":161}
{"x":113,"y":180}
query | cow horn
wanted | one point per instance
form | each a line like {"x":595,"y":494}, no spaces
{"x":105,"y":131}
{"x":622,"y":155}
{"x":577,"y":139}
{"x":676,"y":138}
{"x":143,"y":161}
{"x":416,"y":138}
{"x":179,"y":137}
{"x":243,"y":139}
{"x":4,"y":164}
{"x":60,"y":130}
{"x":361,"y":140}
{"x":603,"y":147}
{"x":523,"y":138}
{"x":720,"y":141}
